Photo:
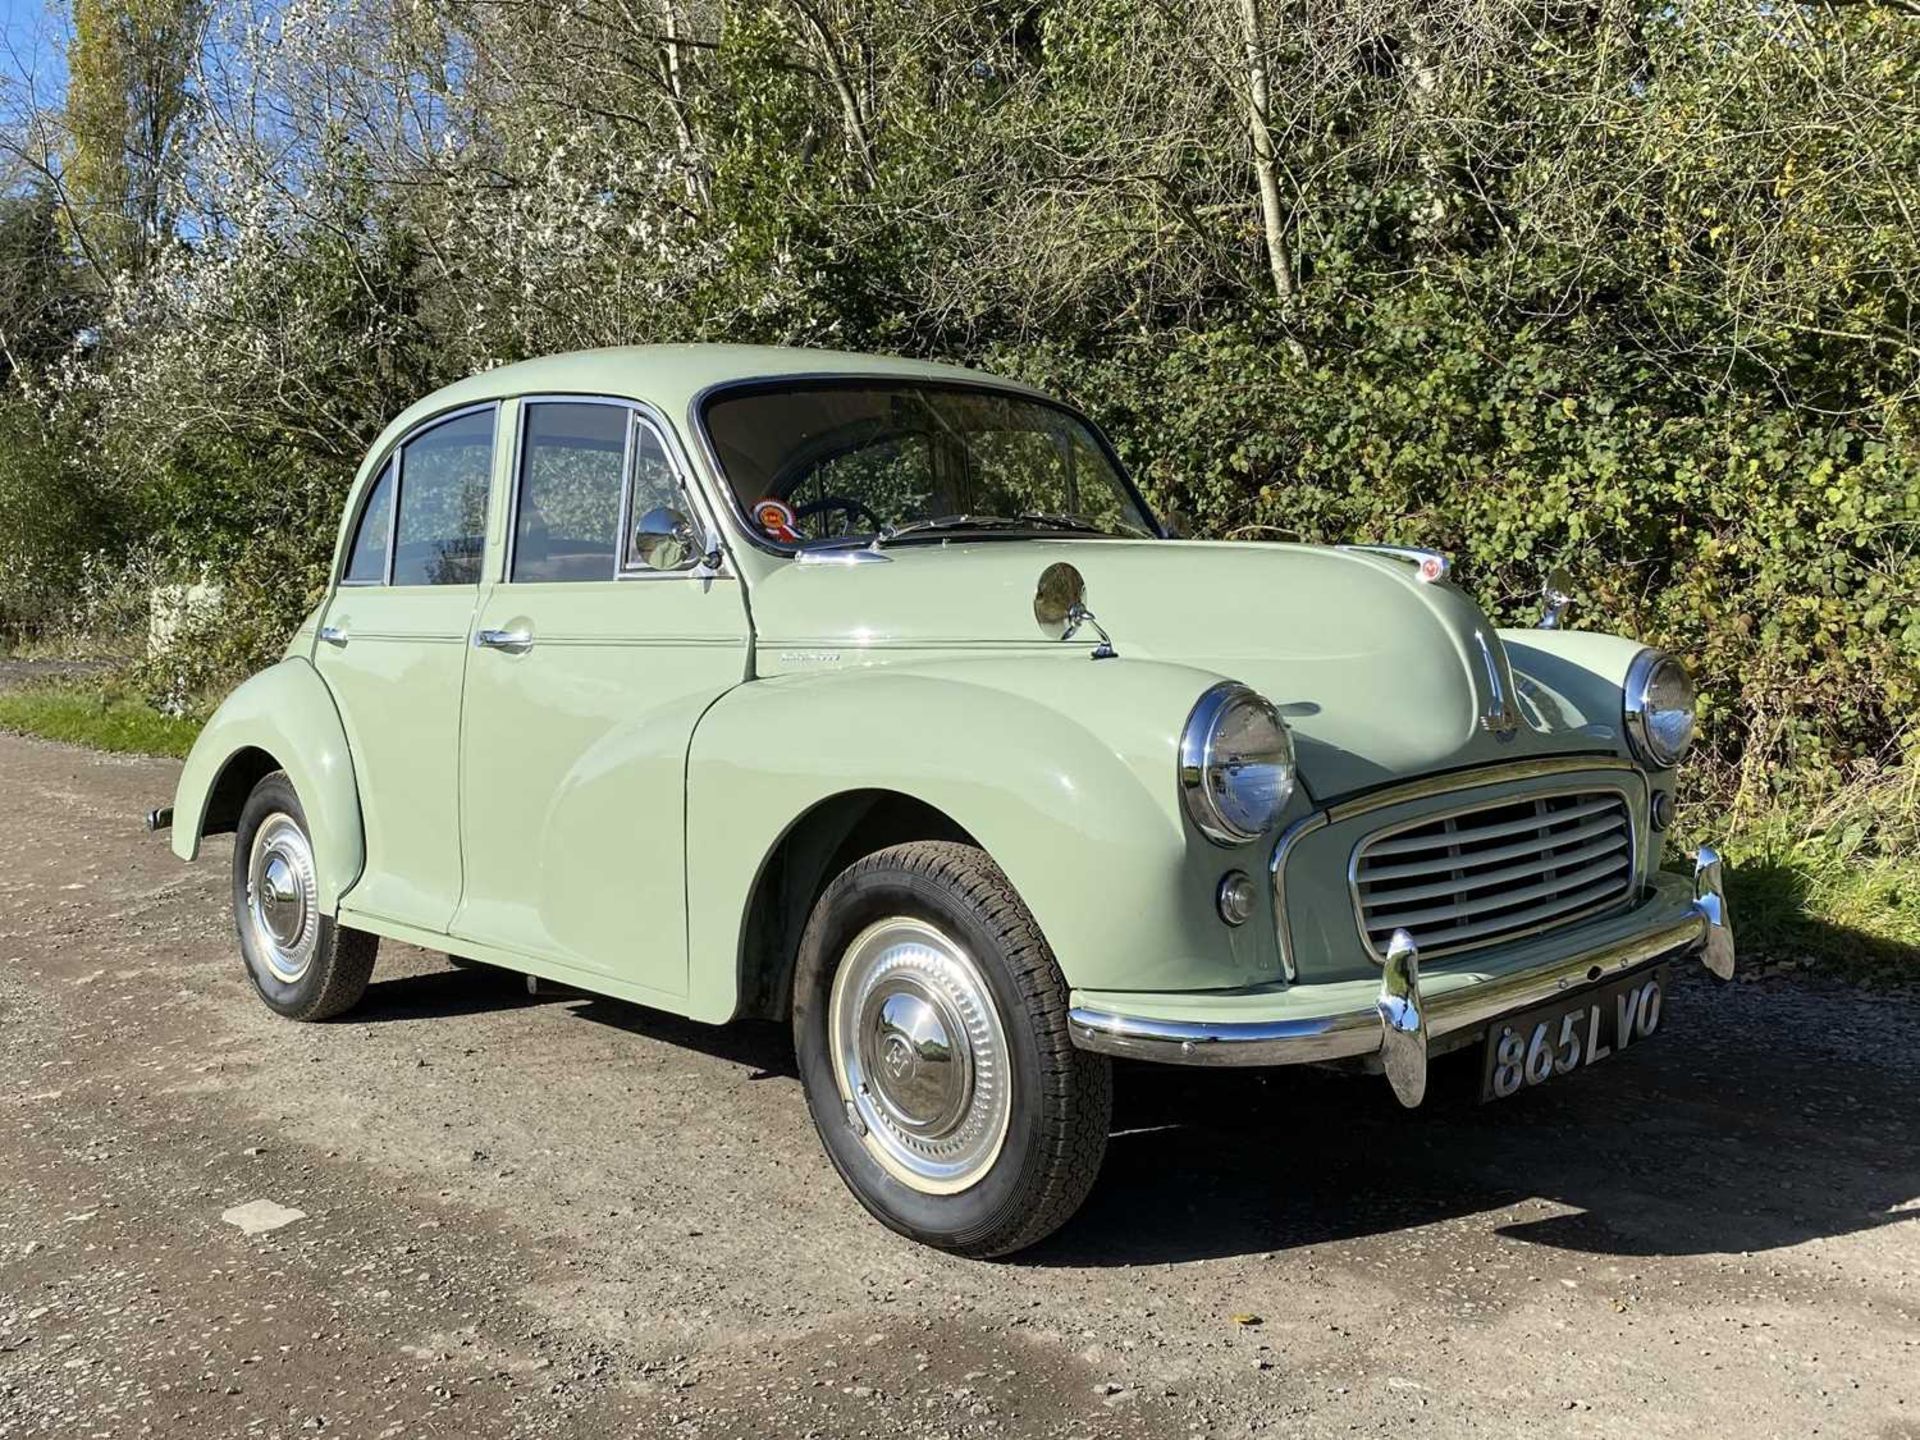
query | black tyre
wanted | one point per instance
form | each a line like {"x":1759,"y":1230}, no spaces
{"x":930,"y":1024}
{"x":303,"y":964}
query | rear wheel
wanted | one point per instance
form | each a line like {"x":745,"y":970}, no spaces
{"x":302,"y":963}
{"x":930,"y":1023}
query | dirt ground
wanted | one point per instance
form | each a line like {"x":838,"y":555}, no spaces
{"x":568,"y":1216}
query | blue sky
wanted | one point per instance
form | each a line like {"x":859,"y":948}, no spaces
{"x":31,"y":42}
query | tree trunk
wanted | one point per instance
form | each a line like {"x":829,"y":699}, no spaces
{"x":1273,"y":213}
{"x":858,"y":139}
{"x":673,"y":77}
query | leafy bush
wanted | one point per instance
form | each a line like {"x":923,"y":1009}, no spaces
{"x":1631,"y":287}
{"x":1779,"y":553}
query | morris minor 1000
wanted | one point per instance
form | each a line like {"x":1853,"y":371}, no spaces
{"x":870,"y":695}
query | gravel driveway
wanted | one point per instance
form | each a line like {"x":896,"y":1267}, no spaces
{"x":568,"y":1216}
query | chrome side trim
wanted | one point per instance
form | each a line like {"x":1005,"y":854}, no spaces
{"x":1277,"y":871}
{"x":855,"y":555}
{"x":1352,"y":1033}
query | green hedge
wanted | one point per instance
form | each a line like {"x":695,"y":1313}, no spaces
{"x":1773,"y":549}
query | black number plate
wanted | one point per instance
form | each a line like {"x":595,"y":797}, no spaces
{"x":1531,"y":1048}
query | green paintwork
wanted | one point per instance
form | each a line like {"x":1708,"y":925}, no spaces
{"x":1061,"y":768}
{"x":576,"y":756}
{"x":287,"y":711}
{"x":600,"y":808}
{"x":1378,"y":674}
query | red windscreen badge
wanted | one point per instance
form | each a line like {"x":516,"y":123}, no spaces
{"x":773,"y":517}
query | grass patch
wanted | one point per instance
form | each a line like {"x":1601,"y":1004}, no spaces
{"x":99,"y":719}
{"x":1832,"y":884}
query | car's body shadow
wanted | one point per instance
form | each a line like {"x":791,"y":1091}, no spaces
{"x":1713,"y":1138}
{"x":438,"y":994}
{"x":1741,"y":1127}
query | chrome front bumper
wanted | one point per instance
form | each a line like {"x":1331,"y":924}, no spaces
{"x":1401,"y":1024}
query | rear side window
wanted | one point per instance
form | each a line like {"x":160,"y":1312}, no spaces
{"x":567,"y":521}
{"x":367,"y":560}
{"x":441,"y":520}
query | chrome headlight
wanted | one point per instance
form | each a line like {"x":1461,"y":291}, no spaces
{"x":1658,"y":708}
{"x":1236,"y":764}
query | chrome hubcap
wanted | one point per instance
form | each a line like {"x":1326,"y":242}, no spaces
{"x":920,"y":1056}
{"x":281,"y":897}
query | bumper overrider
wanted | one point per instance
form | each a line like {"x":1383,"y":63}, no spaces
{"x":1398,"y":1028}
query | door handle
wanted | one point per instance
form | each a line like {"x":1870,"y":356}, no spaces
{"x":333,"y":634}
{"x":514,"y":642}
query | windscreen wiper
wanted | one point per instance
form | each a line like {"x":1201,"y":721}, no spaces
{"x":1027,"y":520}
{"x":1052,"y":520}
{"x":890,"y":533}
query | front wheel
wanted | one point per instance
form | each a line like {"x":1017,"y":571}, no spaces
{"x":302,"y":963}
{"x":930,"y":1023}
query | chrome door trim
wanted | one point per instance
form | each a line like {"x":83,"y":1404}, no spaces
{"x":373,"y":467}
{"x":644,"y":412}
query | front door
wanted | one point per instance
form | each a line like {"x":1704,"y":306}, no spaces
{"x":393,"y":650}
{"x":588,"y":672}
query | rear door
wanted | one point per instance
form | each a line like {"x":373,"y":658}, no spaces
{"x":393,"y":649}
{"x":588,"y":672}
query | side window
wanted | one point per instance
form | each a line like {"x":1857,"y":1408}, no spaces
{"x":663,"y":534}
{"x":567,"y":520}
{"x":441,"y":523}
{"x":367,"y":557}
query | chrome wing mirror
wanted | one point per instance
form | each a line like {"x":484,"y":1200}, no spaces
{"x":1060,"y":607}
{"x":665,"y":539}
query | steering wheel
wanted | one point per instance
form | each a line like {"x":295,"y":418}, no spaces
{"x":845,"y":506}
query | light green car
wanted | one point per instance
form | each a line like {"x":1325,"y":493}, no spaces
{"x":869,"y":694}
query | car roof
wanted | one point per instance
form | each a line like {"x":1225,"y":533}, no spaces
{"x":668,"y":376}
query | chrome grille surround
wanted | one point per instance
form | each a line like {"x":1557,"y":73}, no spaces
{"x":1495,"y":870}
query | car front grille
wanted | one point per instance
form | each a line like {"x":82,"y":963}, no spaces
{"x":1495,"y":872}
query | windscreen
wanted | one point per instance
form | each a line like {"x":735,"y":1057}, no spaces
{"x":843,"y":461}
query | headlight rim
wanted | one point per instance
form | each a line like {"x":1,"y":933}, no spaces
{"x":1633,"y":704}
{"x":1197,"y":739}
